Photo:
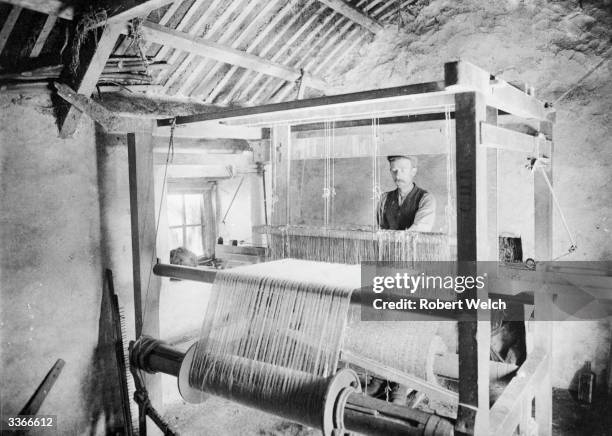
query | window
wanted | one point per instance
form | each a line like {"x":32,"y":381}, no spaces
{"x":186,"y":221}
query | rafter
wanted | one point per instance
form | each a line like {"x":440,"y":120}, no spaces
{"x":8,"y":26}
{"x":220,"y":21}
{"x":228,"y":32}
{"x":206,"y":48}
{"x":306,"y":42}
{"x":89,"y":78}
{"x":43,"y":35}
{"x":49,"y":7}
{"x":353,"y":14}
{"x":285,"y":46}
{"x":264,"y":51}
{"x":206,"y":86}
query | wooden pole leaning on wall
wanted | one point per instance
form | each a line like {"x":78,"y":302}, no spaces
{"x":147,"y":285}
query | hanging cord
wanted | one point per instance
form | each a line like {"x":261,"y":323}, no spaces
{"x":540,"y":163}
{"x":169,"y":159}
{"x":579,"y":81}
{"x":327,"y":184}
{"x":232,"y":201}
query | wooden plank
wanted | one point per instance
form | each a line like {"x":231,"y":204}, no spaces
{"x":507,"y":411}
{"x":202,"y":28}
{"x":107,"y":119}
{"x":354,"y":14}
{"x":491,"y":169}
{"x":461,"y":75}
{"x":386,"y":372}
{"x":210,"y":49}
{"x":230,"y":28}
{"x":50,"y":7}
{"x":473,"y":336}
{"x":316,"y":60}
{"x":38,"y":397}
{"x":429,"y":141}
{"x":142,"y":212}
{"x":124,"y":10}
{"x":200,"y":145}
{"x":507,"y":139}
{"x":319,"y":108}
{"x":543,"y":231}
{"x":43,"y":35}
{"x":206,"y":159}
{"x":93,"y":70}
{"x":279,"y":16}
{"x":8,"y":26}
{"x":278,"y":52}
{"x":304,"y":47}
{"x":206,"y":83}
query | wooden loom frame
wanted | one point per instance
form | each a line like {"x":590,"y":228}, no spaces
{"x":479,"y":101}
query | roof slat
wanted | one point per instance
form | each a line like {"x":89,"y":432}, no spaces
{"x":280,"y":15}
{"x":303,"y":43}
{"x":43,"y":35}
{"x":353,"y":14}
{"x":234,"y":26}
{"x":8,"y":26}
{"x":285,"y":46}
{"x":206,"y":84}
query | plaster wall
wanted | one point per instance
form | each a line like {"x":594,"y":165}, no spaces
{"x":51,"y":275}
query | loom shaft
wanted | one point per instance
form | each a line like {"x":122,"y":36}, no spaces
{"x":357,"y":412}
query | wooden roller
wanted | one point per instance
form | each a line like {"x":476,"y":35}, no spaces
{"x":343,"y":407}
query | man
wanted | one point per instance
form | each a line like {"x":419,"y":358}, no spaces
{"x":408,"y":207}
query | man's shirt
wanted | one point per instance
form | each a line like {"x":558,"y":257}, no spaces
{"x":417,"y":211}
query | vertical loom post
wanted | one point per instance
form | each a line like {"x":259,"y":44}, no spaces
{"x":472,"y":244}
{"x":209,"y":235}
{"x":543,"y":300}
{"x":281,"y":135}
{"x":142,"y":211}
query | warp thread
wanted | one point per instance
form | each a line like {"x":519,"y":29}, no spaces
{"x":272,"y":335}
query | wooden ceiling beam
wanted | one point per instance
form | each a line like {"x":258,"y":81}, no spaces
{"x":353,"y":14}
{"x":119,"y":11}
{"x":8,"y":26}
{"x":43,"y":35}
{"x":49,"y":7}
{"x":210,"y":49}
{"x":89,"y":78}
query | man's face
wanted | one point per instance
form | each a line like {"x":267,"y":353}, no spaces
{"x":402,"y":172}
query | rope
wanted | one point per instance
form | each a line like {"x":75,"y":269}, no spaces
{"x":579,"y":81}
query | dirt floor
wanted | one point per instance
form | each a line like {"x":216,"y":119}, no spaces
{"x":219,"y":417}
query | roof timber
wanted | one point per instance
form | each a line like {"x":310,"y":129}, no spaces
{"x":174,"y":57}
{"x":7,"y":28}
{"x":43,"y":35}
{"x":251,"y":47}
{"x":206,"y":48}
{"x":303,"y":44}
{"x":228,"y":32}
{"x":267,"y":48}
{"x":281,"y":93}
{"x":297,"y":34}
{"x":206,"y":85}
{"x":121,"y":10}
{"x":49,"y":7}
{"x":353,"y":14}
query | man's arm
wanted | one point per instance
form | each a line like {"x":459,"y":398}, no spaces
{"x":426,"y":214}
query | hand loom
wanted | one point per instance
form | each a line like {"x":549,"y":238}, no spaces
{"x":275,"y":343}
